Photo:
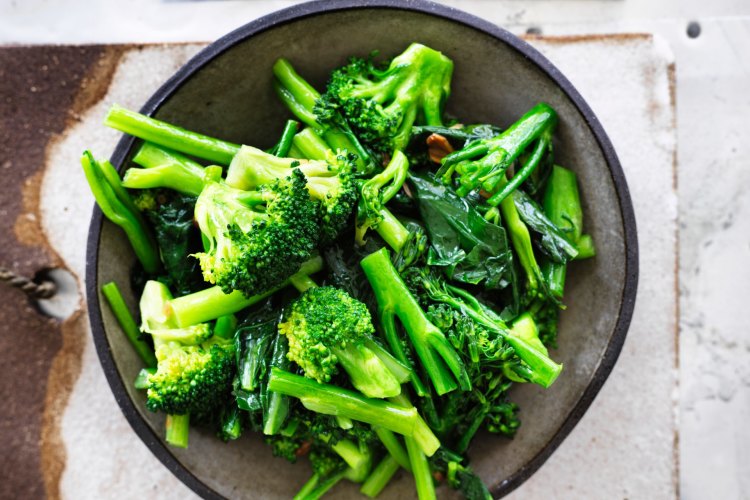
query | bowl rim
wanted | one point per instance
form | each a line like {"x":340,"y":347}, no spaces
{"x":295,"y":13}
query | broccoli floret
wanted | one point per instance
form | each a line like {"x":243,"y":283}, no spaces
{"x":329,"y":181}
{"x":325,"y":327}
{"x":382,"y":105}
{"x":259,"y":238}
{"x":191,"y":379}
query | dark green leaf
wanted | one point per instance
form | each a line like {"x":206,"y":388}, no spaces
{"x":550,"y":239}
{"x":469,"y":248}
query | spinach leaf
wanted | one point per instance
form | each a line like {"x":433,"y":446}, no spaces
{"x":176,"y":236}
{"x":254,"y":344}
{"x":549,"y":238}
{"x":469,"y":248}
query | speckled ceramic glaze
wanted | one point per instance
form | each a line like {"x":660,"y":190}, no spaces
{"x":225,"y":91}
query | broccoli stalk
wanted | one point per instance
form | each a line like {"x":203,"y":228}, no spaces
{"x":193,"y":374}
{"x":117,"y":206}
{"x":257,"y":239}
{"x":376,"y":192}
{"x":170,"y":136}
{"x":331,"y":400}
{"x":438,"y":357}
{"x":167,"y":169}
{"x":212,"y":303}
{"x":380,"y":476}
{"x":300,"y":97}
{"x":562,"y":205}
{"x":483,"y":163}
{"x":382,"y":105}
{"x":112,"y":293}
{"x":327,"y":327}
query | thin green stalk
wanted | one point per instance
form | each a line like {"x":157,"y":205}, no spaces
{"x":225,"y":326}
{"x":316,"y":486}
{"x":170,"y":136}
{"x":128,"y":324}
{"x":287,"y":136}
{"x":117,"y":206}
{"x":311,"y":145}
{"x":379,"y":477}
{"x":420,"y":467}
{"x":586,"y":248}
{"x":394,"y":446}
{"x":211,"y":303}
{"x":332,"y":400}
{"x":178,"y":430}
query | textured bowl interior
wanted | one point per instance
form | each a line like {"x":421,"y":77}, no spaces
{"x":231,"y":97}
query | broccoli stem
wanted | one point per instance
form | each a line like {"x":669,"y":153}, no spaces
{"x":311,"y":145}
{"x":586,"y":248}
{"x":225,"y":326}
{"x":388,"y":324}
{"x":167,"y":169}
{"x":178,"y":430}
{"x":380,"y":477}
{"x":112,"y":293}
{"x":141,"y":380}
{"x":399,"y":370}
{"x":431,"y":346}
{"x":420,"y":467}
{"x":318,"y":486}
{"x":211,"y":303}
{"x":393,"y":445}
{"x":299,"y":96}
{"x":332,"y":400}
{"x":391,"y":230}
{"x":170,"y":136}
{"x":277,"y":405}
{"x":302,"y":282}
{"x":562,"y":205}
{"x":531,"y":164}
{"x":287,"y":136}
{"x":367,"y":372}
{"x":117,"y":206}
{"x":521,"y":240}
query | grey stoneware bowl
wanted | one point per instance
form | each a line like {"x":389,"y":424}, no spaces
{"x":225,"y":91}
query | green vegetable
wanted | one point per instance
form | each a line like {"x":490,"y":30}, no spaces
{"x":381,"y":105}
{"x":117,"y":206}
{"x":257,"y":239}
{"x":438,"y":358}
{"x":112,"y":293}
{"x":327,"y":327}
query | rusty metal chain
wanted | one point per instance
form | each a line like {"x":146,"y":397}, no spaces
{"x":43,"y":290}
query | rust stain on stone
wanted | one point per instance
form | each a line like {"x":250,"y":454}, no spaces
{"x":64,"y":371}
{"x":43,"y":89}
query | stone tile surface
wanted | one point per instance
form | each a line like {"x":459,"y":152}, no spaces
{"x":616,"y":439}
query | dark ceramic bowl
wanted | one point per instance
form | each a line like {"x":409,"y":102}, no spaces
{"x":225,"y":91}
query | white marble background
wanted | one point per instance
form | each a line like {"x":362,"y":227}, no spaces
{"x":713,"y":78}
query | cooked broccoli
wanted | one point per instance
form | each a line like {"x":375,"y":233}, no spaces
{"x":381,"y":105}
{"x":259,"y":238}
{"x":438,"y":357}
{"x":193,"y":373}
{"x":329,"y":182}
{"x":325,"y":327}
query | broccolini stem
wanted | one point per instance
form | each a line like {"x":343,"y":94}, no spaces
{"x":332,"y":400}
{"x":170,"y":136}
{"x":277,"y":407}
{"x":178,"y":430}
{"x":586,"y":248}
{"x":225,"y":326}
{"x":300,"y":97}
{"x":394,"y":446}
{"x":391,"y":230}
{"x":287,"y":136}
{"x":211,"y":303}
{"x":167,"y":169}
{"x":388,"y":324}
{"x":431,"y":346}
{"x":421,"y":470}
{"x":380,"y":477}
{"x":150,"y":155}
{"x":311,"y":145}
{"x":316,"y":486}
{"x":112,"y":293}
{"x":302,"y":282}
{"x":117,"y":206}
{"x":534,"y":160}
